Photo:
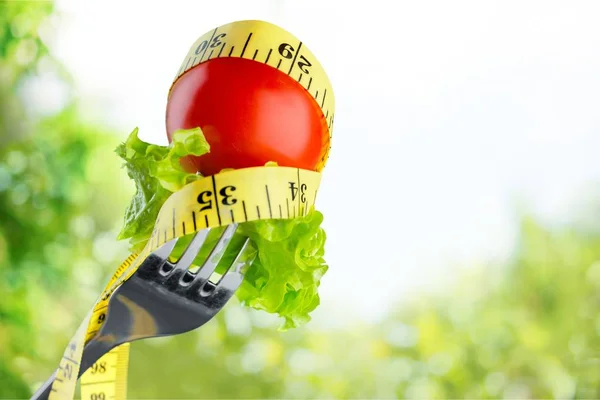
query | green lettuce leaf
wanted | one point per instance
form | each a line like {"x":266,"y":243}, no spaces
{"x":157,"y":173}
{"x":289,"y":265}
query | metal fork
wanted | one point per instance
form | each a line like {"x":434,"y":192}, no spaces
{"x":163,"y":298}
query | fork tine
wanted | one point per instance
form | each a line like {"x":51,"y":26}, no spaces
{"x":244,"y":258}
{"x":191,"y":251}
{"x":234,"y":276}
{"x":214,"y":257}
{"x":165,"y":250}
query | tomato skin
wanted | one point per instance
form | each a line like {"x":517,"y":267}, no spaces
{"x":250,"y":113}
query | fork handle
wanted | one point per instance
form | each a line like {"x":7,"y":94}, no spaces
{"x":91,"y":353}
{"x":44,"y":391}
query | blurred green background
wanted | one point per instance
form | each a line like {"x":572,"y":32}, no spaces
{"x":526,"y":329}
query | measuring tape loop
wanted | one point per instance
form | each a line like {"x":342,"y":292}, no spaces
{"x":271,"y":45}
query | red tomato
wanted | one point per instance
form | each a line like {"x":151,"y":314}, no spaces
{"x":250,"y":113}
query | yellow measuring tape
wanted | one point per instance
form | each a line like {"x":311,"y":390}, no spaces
{"x":242,"y":195}
{"x":239,"y":196}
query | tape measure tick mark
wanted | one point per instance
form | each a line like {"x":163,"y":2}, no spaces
{"x":174,"y":233}
{"x":246,"y":44}
{"x":97,"y":382}
{"x":70,"y":360}
{"x":299,"y":188}
{"x":214,"y":184}
{"x":293,"y":59}
{"x":268,"y":201}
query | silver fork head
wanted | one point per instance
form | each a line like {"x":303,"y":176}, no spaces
{"x":196,"y":286}
{"x":171,"y":298}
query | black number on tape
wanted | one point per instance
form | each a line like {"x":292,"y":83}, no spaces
{"x":67,"y":371}
{"x":204,"y":199}
{"x":302,"y":193}
{"x":228,"y":199}
{"x":201,"y":47}
{"x":287,"y":51}
{"x":99,"y":368}
{"x":294,"y":190}
{"x":98,"y":396}
{"x":216,"y":42}
{"x":303,"y":64}
{"x":101,"y":318}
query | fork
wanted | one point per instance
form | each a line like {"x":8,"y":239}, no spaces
{"x":163,"y":298}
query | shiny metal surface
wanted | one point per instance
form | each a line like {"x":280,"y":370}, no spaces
{"x":164,"y":298}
